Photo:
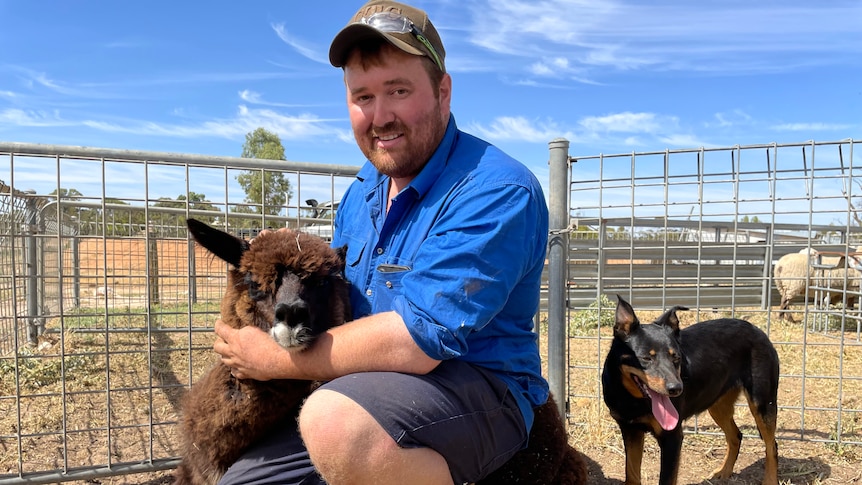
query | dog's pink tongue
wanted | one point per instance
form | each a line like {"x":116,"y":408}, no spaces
{"x":663,"y":410}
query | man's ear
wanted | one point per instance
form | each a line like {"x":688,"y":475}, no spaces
{"x":446,"y":94}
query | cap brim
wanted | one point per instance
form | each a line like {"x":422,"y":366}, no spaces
{"x":354,"y":33}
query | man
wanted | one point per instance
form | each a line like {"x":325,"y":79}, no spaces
{"x":435,"y":380}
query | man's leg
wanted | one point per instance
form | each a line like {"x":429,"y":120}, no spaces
{"x":358,"y":450}
{"x":381,"y":427}
{"x":279,"y":458}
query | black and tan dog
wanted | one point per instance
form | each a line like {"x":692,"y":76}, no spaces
{"x":656,"y":375}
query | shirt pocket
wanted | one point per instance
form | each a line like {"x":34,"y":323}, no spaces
{"x":387,"y":283}
{"x":355,"y":249}
{"x":353,"y":272}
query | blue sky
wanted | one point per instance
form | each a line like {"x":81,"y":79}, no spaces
{"x":612,"y":76}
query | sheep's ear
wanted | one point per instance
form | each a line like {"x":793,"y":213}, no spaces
{"x":226,"y":247}
{"x":342,"y":253}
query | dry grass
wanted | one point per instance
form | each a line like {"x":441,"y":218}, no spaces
{"x":820,"y":390}
{"x":81,"y":406}
{"x":68,"y":418}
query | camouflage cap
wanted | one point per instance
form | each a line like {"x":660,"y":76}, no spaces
{"x":378,"y":18}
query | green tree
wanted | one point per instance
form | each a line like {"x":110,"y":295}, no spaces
{"x":266,"y":192}
{"x":121,"y":222}
{"x":195,"y":202}
{"x":72,"y":215}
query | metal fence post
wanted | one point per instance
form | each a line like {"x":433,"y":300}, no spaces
{"x":558,"y":244}
{"x":193,"y":272}
{"x":765,"y":294}
{"x":152,"y":265}
{"x":34,"y":324}
{"x":75,"y":248}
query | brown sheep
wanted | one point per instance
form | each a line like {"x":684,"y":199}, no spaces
{"x":549,"y":459}
{"x":288,"y":283}
{"x":223,"y":415}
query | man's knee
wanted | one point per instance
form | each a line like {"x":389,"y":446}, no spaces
{"x":330,"y":422}
{"x":342,"y":439}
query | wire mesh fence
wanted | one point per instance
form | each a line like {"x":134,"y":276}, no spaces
{"x":106,"y":306}
{"x":106,"y":309}
{"x":704,"y":229}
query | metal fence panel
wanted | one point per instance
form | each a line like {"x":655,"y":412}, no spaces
{"x":107,"y":307}
{"x":703,"y":228}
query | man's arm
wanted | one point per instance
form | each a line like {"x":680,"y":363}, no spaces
{"x":378,"y":342}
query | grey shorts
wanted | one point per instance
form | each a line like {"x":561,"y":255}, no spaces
{"x":461,"y":411}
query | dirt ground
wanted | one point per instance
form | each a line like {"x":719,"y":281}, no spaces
{"x":800,"y":463}
{"x":807,"y":452}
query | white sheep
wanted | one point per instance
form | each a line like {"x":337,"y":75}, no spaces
{"x":832,"y":273}
{"x":796,"y":273}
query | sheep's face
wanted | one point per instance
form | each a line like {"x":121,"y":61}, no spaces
{"x":288,"y":283}
{"x":294,"y":306}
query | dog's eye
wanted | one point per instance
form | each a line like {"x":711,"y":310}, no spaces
{"x":646,"y":359}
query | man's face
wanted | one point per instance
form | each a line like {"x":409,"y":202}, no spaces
{"x":397,"y":117}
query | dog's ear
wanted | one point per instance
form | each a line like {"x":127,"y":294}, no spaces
{"x":669,"y":318}
{"x":626,"y":320}
{"x":226,"y":247}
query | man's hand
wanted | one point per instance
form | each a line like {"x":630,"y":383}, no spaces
{"x":249,"y":352}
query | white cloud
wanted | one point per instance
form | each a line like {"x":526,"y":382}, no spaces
{"x":629,"y":123}
{"x":811,"y":127}
{"x":729,"y":119}
{"x":38,"y":79}
{"x":541,"y":69}
{"x":679,"y":140}
{"x":30,"y":118}
{"x":730,"y":37}
{"x":288,"y":127}
{"x":253,"y":97}
{"x":558,"y":68}
{"x":309,"y":52}
{"x":249,"y":96}
{"x":245,"y":121}
{"x":517,"y":128}
{"x":615,"y":130}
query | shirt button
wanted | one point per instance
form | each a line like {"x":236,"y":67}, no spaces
{"x":379,"y":250}
{"x":389,"y":284}
{"x":368,"y":292}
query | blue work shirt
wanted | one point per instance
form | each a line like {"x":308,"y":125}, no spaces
{"x":459,"y":257}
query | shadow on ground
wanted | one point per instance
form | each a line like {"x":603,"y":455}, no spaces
{"x":795,"y":471}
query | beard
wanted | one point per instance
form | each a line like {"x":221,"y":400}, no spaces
{"x":409,"y":158}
